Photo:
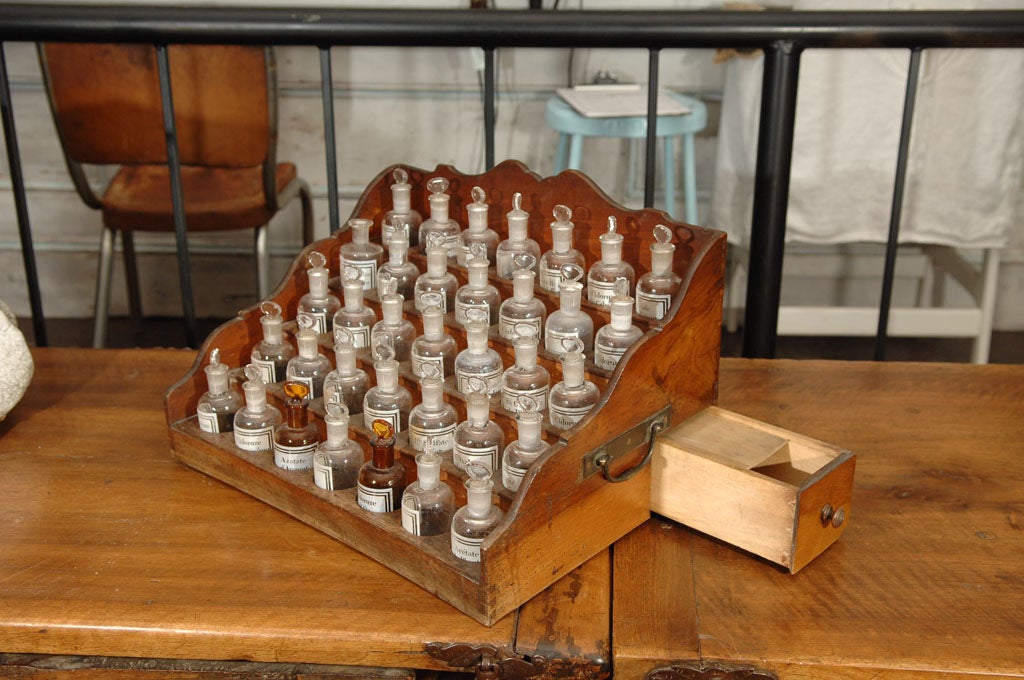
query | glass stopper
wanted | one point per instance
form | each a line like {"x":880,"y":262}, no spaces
{"x":612,"y":224}
{"x":478,"y":194}
{"x":621,"y":287}
{"x":524,"y":330}
{"x":335,"y":407}
{"x":382,"y":429}
{"x":436,"y":239}
{"x":431,"y":300}
{"x":437,"y":185}
{"x":400,"y":176}
{"x":572,"y":272}
{"x":477,"y":315}
{"x":305,"y":321}
{"x":270,"y":309}
{"x":386,"y":284}
{"x":430,"y":372}
{"x":476,"y":385}
{"x":525,"y":404}
{"x":343,"y":336}
{"x":253,"y":374}
{"x":524,"y":260}
{"x":517,"y":201}
{"x":295,"y":390}
{"x":662,"y":234}
{"x":572,"y":345}
{"x":352,"y":274}
{"x":478,"y":251}
{"x":383,"y":348}
{"x":215,"y":356}
{"x":562,"y":213}
{"x":317,"y":260}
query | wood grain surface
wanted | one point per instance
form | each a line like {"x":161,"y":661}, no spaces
{"x":929,"y":575}
{"x":109,"y":547}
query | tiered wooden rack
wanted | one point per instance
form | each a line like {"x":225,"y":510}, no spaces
{"x":566,"y":510}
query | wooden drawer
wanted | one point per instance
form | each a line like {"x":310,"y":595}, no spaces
{"x":766,"y":490}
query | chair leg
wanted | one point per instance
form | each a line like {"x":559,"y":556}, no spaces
{"x":690,"y":178}
{"x":668,"y":152}
{"x":306,"y":202}
{"x":101,"y":311}
{"x":262,"y":262}
{"x":561,"y":152}
{"x":131,"y":276}
{"x":575,"y":151}
{"x":987,"y":303}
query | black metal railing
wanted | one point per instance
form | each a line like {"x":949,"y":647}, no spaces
{"x":782,"y":35}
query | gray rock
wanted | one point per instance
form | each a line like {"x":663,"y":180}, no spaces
{"x":16,"y":365}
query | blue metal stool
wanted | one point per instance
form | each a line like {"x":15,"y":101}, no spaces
{"x":573,"y":127}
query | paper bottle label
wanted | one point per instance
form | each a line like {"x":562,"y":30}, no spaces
{"x":484,"y":455}
{"x":367,"y":271}
{"x":444,"y":437}
{"x":652,"y":305}
{"x":565,"y":417}
{"x":255,"y":439}
{"x":466,"y":548}
{"x":294,"y":457}
{"x":375,"y":500}
{"x":509,"y":396}
{"x":390,"y":416}
{"x":600,"y":292}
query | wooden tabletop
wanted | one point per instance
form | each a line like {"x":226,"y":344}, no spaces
{"x":109,"y":548}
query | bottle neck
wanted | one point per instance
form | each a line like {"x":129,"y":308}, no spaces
{"x":382,"y":452}
{"x":360,"y":234}
{"x":432,"y":393}
{"x":476,"y":338}
{"x":255,"y":396}
{"x":477,"y":277}
{"x":518,"y":225}
{"x":391,"y":309}
{"x":345,"y":357}
{"x":478,"y":410}
{"x":526,"y":354}
{"x":477,"y":217}
{"x":306,"y":340}
{"x":439,"y":208}
{"x":337,"y":430}
{"x":529,"y":427}
{"x":400,"y":197}
{"x":569,"y":297}
{"x":561,"y":237}
{"x":296,"y":413}
{"x":661,"y":258}
{"x":387,"y":375}
{"x":272,"y":329}
{"x":522,"y":285}
{"x":397,"y":251}
{"x":478,"y":500}
{"x":353,"y":292}
{"x":611,"y":249}
{"x":572,"y":370}
{"x":433,"y":325}
{"x":437,"y":262}
{"x":217,"y":378}
{"x":317,"y":282}
{"x":621,"y":313}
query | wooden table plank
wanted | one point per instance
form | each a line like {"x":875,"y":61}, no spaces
{"x":929,"y":574}
{"x":108,"y":547}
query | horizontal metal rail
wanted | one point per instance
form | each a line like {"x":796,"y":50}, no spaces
{"x":783,"y":36}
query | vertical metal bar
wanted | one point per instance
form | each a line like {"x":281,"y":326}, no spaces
{"x":327,"y":94}
{"x":28,"y":253}
{"x":652,"y":127}
{"x":177,"y":197}
{"x":490,"y":113}
{"x":771,"y":198}
{"x":896,"y":212}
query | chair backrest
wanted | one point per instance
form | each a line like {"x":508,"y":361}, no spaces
{"x":107,"y":105}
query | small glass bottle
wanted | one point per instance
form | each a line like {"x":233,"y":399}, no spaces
{"x":437,"y":278}
{"x":382,"y":478}
{"x":401,"y":213}
{"x":309,"y":367}
{"x":518,"y":241}
{"x":347,"y":382}
{"x":439,"y":221}
{"x":398,"y":266}
{"x":521,"y":453}
{"x":393,"y":324}
{"x":574,"y":396}
{"x":354,"y":316}
{"x":562,"y":252}
{"x":296,"y":438}
{"x":478,"y":359}
{"x":216,"y":409}
{"x":272,"y":353}
{"x":360,"y":253}
{"x":337,"y":459}
{"x":522,"y":307}
{"x":255,"y":422}
{"x":478,"y":439}
{"x":477,"y":230}
{"x":435,"y":347}
{"x":477,"y":293}
{"x":610,"y":268}
{"x":433,"y":418}
{"x":477,"y":518}
{"x":319,"y":304}
{"x":387,"y":401}
{"x":428,"y":503}
{"x":569,"y":321}
{"x":655,"y":289}
{"x":614,"y":338}
{"x":525,"y":378}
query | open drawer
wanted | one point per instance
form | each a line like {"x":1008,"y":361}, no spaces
{"x":775,"y":493}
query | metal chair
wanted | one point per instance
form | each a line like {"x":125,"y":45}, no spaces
{"x":106,"y":104}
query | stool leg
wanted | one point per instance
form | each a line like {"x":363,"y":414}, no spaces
{"x":987,"y":302}
{"x":575,"y":151}
{"x":102,"y":306}
{"x":561,"y":152}
{"x":690,"y":178}
{"x":670,"y":175}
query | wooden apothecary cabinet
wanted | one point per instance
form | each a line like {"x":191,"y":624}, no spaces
{"x":566,"y":511}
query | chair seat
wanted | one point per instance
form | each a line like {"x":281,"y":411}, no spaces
{"x":564,"y":118}
{"x":139,"y":197}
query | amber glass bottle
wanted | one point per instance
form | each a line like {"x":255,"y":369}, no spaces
{"x":381,"y":479}
{"x":296,"y":438}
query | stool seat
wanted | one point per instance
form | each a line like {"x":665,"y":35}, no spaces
{"x":572,"y":127}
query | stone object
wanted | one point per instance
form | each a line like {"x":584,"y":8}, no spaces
{"x":16,"y":365}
